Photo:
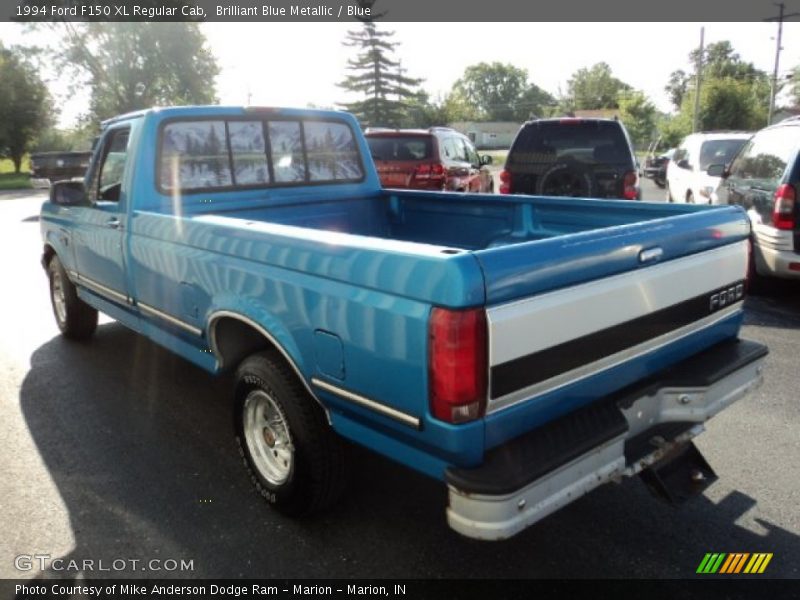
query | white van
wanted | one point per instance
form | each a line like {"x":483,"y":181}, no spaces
{"x":687,"y":180}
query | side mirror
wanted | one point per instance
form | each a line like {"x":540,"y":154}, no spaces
{"x":683,"y":164}
{"x":68,"y":193}
{"x":717,"y":171}
{"x":486,"y":160}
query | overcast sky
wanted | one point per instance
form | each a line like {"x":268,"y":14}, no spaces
{"x":294,"y":64}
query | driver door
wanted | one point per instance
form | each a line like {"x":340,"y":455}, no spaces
{"x":99,"y":226}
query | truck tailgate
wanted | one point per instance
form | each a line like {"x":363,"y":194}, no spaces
{"x":651,"y":295}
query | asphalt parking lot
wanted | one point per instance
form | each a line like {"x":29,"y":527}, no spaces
{"x":116,"y":449}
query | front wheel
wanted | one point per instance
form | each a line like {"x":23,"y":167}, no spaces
{"x":296,"y":461}
{"x":76,"y":319}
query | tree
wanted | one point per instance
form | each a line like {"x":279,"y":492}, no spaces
{"x":377,"y":78}
{"x":25,"y":106}
{"x":676,"y":87}
{"x":130,"y":66}
{"x":639,"y":116}
{"x":734,"y":94}
{"x":594,"y":88}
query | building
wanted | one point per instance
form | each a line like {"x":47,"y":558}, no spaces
{"x":489,"y":135}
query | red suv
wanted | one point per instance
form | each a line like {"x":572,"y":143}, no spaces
{"x":438,"y":158}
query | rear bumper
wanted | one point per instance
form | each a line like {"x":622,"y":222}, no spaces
{"x":532,"y":476}
{"x":777,"y":263}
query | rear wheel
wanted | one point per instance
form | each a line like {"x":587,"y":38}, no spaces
{"x":689,"y":197}
{"x":76,"y":319}
{"x":296,"y":461}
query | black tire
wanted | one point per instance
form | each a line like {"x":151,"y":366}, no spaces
{"x":76,"y":319}
{"x":491,"y":187}
{"x":315,"y":474}
{"x":689,"y":197}
{"x":660,"y":183}
{"x":565,"y":179}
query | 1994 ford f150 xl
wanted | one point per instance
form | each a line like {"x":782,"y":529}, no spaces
{"x":523,"y":350}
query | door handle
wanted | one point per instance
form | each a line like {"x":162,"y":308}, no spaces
{"x":113,"y":223}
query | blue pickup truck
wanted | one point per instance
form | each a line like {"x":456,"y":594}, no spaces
{"x":522,"y":350}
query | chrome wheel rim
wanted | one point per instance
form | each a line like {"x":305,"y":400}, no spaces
{"x":266,"y":433}
{"x":59,"y":299}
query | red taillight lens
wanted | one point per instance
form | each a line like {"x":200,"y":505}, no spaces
{"x":630,"y":186}
{"x":783,"y":213}
{"x":505,"y":182}
{"x":457,"y":367}
{"x":429,"y":171}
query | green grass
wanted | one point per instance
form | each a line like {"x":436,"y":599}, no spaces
{"x":14,"y":181}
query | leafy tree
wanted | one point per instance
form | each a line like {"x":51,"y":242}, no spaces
{"x":734,"y":94}
{"x":594,"y":88}
{"x":25,"y":106}
{"x":639,"y":116}
{"x":676,"y":87}
{"x":130,"y":66}
{"x":500,"y":92}
{"x":377,"y":78}
{"x":794,"y":86}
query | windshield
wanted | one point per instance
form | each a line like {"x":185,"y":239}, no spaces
{"x":400,"y":147}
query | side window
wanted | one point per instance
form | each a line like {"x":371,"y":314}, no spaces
{"x":472,"y":154}
{"x":112,"y":167}
{"x":765,"y":157}
{"x":461,"y":150}
{"x":285,"y":140}
{"x":194,"y":155}
{"x":737,"y":167}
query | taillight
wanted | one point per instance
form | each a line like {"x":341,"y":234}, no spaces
{"x":630,"y":186}
{"x":505,"y":182}
{"x":429,"y":171}
{"x":457,"y":364}
{"x":783,"y":213}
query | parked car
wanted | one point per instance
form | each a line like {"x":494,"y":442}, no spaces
{"x":687,"y":177}
{"x":582,"y":158}
{"x":521,"y":351}
{"x":55,"y":166}
{"x":764,"y":179}
{"x":439,"y":158}
{"x":656,"y":167}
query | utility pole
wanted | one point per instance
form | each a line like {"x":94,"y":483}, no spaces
{"x":774,"y":84}
{"x":698,"y":68}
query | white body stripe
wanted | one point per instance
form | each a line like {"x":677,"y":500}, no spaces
{"x":521,"y":328}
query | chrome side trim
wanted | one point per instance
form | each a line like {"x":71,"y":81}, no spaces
{"x":382,"y":409}
{"x":170,"y":319}
{"x":585,"y":371}
{"x":212,"y":344}
{"x":99,"y":288}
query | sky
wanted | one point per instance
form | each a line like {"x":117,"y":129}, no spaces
{"x":269,"y":64}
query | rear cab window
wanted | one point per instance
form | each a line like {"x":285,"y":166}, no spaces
{"x":223,"y":153}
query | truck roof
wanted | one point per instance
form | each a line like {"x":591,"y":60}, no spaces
{"x":215,"y":109}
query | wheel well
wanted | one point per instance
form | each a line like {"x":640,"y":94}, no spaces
{"x":49,"y":253}
{"x":234,"y":340}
